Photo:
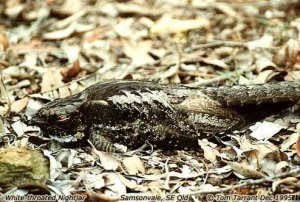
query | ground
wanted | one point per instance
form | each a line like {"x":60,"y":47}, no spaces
{"x":55,"y":48}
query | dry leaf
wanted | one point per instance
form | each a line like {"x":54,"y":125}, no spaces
{"x":288,"y":180}
{"x":51,"y":79}
{"x":70,"y":7}
{"x":244,"y":59}
{"x":18,"y":127}
{"x":30,"y":60}
{"x":14,"y":11}
{"x":273,"y":163}
{"x":2,"y":127}
{"x":292,"y":76}
{"x":291,"y":140}
{"x":134,"y":9}
{"x":264,"y":63}
{"x":264,"y":42}
{"x":66,"y":157}
{"x":265,"y":130}
{"x":97,"y":196}
{"x":259,"y":150}
{"x":134,"y":165}
{"x":95,"y":181}
{"x":172,"y":71}
{"x":138,"y":52}
{"x":209,"y":152}
{"x":282,"y":167}
{"x":19,"y":105}
{"x":132,"y":184}
{"x":108,"y":161}
{"x":264,"y":76}
{"x":280,"y":57}
{"x":61,"y":34}
{"x":69,"y":73}
{"x":298,"y":146}
{"x":55,"y":166}
{"x":287,"y":55}
{"x":245,"y":170}
{"x":69,"y":20}
{"x":114,"y":185}
{"x":63,"y":92}
{"x":227,"y":9}
{"x":169,"y":25}
{"x":215,"y":62}
{"x":3,"y":42}
{"x":292,"y":52}
{"x":72,"y":53}
{"x":124,"y":28}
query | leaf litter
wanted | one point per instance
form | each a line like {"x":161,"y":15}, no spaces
{"x":53,"y":49}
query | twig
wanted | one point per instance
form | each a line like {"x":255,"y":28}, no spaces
{"x":205,"y":179}
{"x":4,"y":93}
{"x":262,"y":4}
{"x":167,"y":181}
{"x":216,"y":43}
{"x":248,"y":183}
{"x":206,"y":82}
{"x":212,"y":44}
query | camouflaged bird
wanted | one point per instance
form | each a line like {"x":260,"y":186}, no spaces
{"x":168,"y":116}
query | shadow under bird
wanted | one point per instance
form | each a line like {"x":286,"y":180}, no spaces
{"x":168,"y":116}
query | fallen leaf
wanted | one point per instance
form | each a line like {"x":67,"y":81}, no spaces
{"x":69,"y":73}
{"x":292,"y":76}
{"x":287,"y":55}
{"x":292,"y":52}
{"x":169,"y":25}
{"x":70,"y":7}
{"x":227,"y":9}
{"x":19,"y":105}
{"x":108,"y":161}
{"x":72,"y":52}
{"x":18,"y":127}
{"x":69,"y":20}
{"x":66,"y":157}
{"x":133,"y":165}
{"x":172,"y":71}
{"x":61,"y":34}
{"x":298,"y":146}
{"x":288,"y":180}
{"x":99,"y":196}
{"x":94,"y":181}
{"x":209,"y":152}
{"x":215,"y":62}
{"x":134,"y":9}
{"x":264,"y":42}
{"x":264,"y":63}
{"x":245,"y":170}
{"x":132,"y":184}
{"x":51,"y":79}
{"x":265,"y":130}
{"x":138,"y":52}
{"x":281,"y":167}
{"x":244,"y":59}
{"x":55,"y":166}
{"x":264,"y":76}
{"x":291,"y":140}
{"x":273,"y":163}
{"x":3,"y":42}
{"x":256,"y":150}
{"x":14,"y":11}
{"x":280,"y":57}
{"x":114,"y":185}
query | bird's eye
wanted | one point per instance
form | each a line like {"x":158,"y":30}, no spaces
{"x":63,"y":117}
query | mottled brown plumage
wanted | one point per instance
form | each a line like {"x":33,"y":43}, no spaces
{"x":168,"y":116}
